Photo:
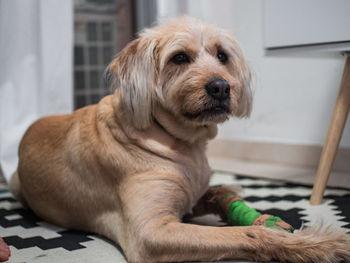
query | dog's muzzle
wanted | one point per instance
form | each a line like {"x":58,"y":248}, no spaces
{"x":218,"y":106}
{"x":218,"y":89}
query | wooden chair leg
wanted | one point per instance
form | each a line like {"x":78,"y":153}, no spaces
{"x":335,"y":130}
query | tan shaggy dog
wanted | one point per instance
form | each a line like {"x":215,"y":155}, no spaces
{"x":130,"y":167}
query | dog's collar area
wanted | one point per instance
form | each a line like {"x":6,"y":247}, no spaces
{"x":182,"y":129}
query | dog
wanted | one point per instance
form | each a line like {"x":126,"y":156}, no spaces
{"x":132,"y":166}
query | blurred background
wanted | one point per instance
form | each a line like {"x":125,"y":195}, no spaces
{"x":54,"y":52}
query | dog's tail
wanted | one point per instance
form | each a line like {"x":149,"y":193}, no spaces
{"x":15,"y":187}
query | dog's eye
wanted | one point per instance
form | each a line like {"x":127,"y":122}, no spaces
{"x":222,"y":57}
{"x":180,"y":58}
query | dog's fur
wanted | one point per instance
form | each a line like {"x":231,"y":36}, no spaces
{"x":130,"y":167}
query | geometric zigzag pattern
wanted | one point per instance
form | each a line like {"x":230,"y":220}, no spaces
{"x":290,"y":201}
{"x":33,"y":240}
{"x":21,"y":228}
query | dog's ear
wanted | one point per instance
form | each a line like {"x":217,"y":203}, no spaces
{"x":243,"y":76}
{"x":135,"y":73}
{"x":245,"y":101}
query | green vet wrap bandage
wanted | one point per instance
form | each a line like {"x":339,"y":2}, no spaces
{"x":239,"y":214}
{"x":271,"y":221}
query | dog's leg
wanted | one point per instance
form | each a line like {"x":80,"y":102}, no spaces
{"x":153,"y":233}
{"x":225,"y":202}
{"x":166,"y":240}
{"x":208,"y":203}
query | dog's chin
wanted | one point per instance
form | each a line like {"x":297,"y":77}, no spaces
{"x":215,"y":114}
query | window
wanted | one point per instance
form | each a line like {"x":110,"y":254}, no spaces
{"x":102,"y":29}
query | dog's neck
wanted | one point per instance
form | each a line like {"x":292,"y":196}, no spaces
{"x":165,"y":121}
{"x":182,"y":130}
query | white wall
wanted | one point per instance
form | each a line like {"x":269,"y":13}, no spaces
{"x":294,"y":93}
{"x":36,"y":72}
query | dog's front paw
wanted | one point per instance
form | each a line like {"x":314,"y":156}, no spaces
{"x":313,"y":245}
{"x":326,"y":244}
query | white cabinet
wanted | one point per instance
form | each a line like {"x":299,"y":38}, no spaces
{"x":295,"y":23}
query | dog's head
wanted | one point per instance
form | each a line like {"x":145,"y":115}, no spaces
{"x":193,"y":70}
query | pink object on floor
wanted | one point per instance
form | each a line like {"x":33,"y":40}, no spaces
{"x":4,"y":251}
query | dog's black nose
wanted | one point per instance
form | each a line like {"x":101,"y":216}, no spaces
{"x":218,"y":88}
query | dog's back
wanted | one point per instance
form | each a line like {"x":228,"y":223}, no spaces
{"x":58,"y":168}
{"x":39,"y":180}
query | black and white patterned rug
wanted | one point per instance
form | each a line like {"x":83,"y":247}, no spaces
{"x":33,"y":240}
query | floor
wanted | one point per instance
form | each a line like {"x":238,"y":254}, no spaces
{"x":273,"y":171}
{"x":277,"y":171}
